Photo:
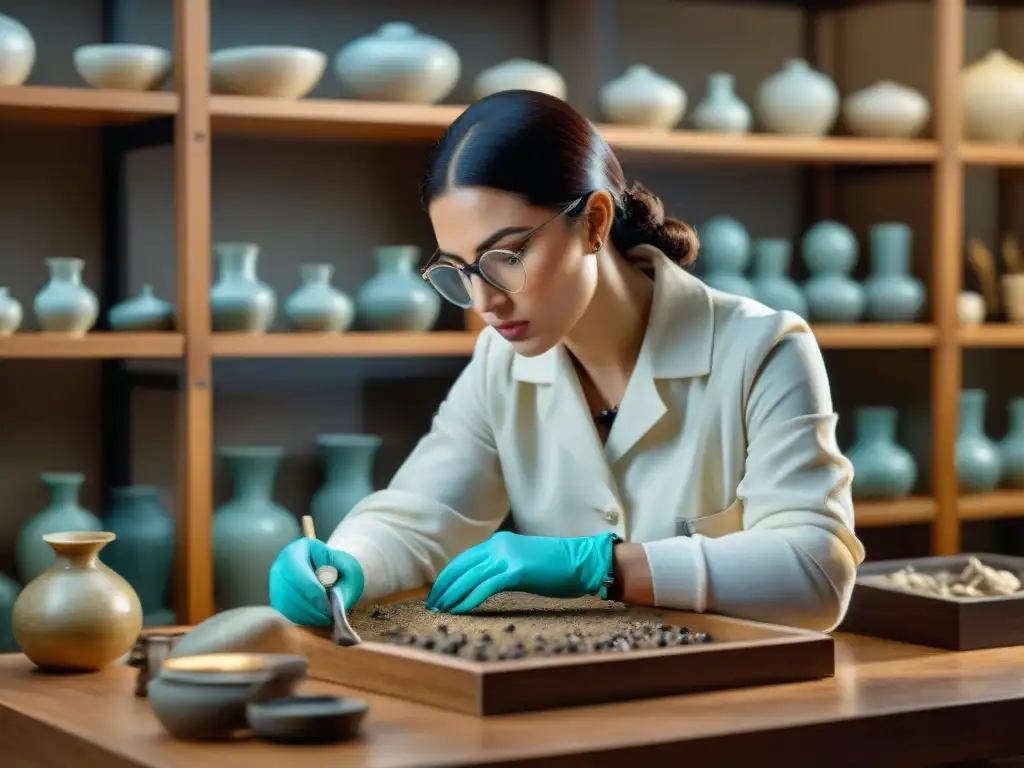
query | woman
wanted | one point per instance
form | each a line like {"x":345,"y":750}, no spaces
{"x":658,"y":442}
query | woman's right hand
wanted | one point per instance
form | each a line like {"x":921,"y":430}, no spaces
{"x":295,"y":591}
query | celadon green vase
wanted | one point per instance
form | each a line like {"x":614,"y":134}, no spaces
{"x":62,"y":515}
{"x":883,"y":469}
{"x":978,"y":466}
{"x":348,"y":478}
{"x":250,"y":529}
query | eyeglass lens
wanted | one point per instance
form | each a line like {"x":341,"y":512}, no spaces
{"x":502,"y":269}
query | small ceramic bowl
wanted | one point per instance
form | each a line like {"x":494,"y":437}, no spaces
{"x":280,"y":71}
{"x":204,"y":697}
{"x":123,"y":66}
{"x":307,"y":718}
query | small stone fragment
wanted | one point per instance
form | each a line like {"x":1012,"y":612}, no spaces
{"x":510,"y":628}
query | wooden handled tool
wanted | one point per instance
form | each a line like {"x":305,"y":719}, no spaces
{"x":327,"y":575}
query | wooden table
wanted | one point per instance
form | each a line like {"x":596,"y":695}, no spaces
{"x":889,"y":704}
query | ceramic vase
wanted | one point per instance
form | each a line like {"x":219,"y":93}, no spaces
{"x":142,"y":313}
{"x":773,"y":286}
{"x":10,"y":312}
{"x":143,"y":552}
{"x":642,"y":97}
{"x":977,"y":457}
{"x":830,"y":253}
{"x":882,"y":468}
{"x":9,"y":591}
{"x":398,"y":63}
{"x":65,"y":304}
{"x":78,"y":615}
{"x":348,"y":477}
{"x":519,"y":74}
{"x":886,"y":110}
{"x":797,"y":100}
{"x":893,"y":294}
{"x":970,"y":308}
{"x":239,"y":301}
{"x":251,"y":529}
{"x":1011,"y":447}
{"x":396,"y":298}
{"x":62,"y":513}
{"x":721,"y":110}
{"x":993,"y":98}
{"x":317,"y":306}
{"x":725,"y":253}
{"x":17,"y":52}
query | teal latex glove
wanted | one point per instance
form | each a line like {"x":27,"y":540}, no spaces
{"x":510,"y":562}
{"x":294,"y":590}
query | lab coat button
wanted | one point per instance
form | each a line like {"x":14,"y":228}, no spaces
{"x":611,"y":516}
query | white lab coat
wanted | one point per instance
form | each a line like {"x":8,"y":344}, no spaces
{"x":722,"y":462}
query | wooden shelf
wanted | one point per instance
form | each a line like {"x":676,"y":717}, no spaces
{"x":97,"y":345}
{"x":991,"y":335}
{"x":352,"y":344}
{"x":883,"y":514}
{"x":45,"y":105}
{"x":875,"y":335}
{"x":991,"y":506}
{"x":992,"y":154}
{"x":387,"y":121}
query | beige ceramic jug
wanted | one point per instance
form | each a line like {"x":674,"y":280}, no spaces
{"x":78,"y":614}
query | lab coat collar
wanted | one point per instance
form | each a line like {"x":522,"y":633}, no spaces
{"x":680,"y":329}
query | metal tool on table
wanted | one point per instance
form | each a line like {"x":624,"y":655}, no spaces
{"x":327,"y":575}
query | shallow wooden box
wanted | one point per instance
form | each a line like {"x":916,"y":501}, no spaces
{"x":744,"y":653}
{"x":956,"y":624}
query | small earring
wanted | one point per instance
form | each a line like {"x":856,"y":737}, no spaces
{"x":598,"y":246}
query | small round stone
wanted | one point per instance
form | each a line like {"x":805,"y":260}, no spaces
{"x":510,"y":628}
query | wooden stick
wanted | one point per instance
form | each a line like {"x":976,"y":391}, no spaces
{"x":308,"y":530}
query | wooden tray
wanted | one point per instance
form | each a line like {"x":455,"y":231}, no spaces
{"x":744,"y":653}
{"x":956,"y":624}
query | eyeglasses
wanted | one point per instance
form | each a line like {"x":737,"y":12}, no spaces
{"x":504,"y":269}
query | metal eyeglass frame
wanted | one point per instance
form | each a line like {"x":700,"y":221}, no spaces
{"x":474,"y":269}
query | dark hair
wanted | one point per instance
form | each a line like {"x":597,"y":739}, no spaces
{"x":540,"y":148}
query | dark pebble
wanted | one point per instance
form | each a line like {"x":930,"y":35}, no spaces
{"x":450,"y":648}
{"x":510,"y":628}
{"x":663,"y":639}
{"x":481,"y":654}
{"x":486,"y":637}
{"x":701,"y":637}
{"x":442,"y":628}
{"x":410,"y":639}
{"x":428,"y":643}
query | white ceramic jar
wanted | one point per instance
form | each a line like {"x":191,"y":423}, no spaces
{"x":519,"y":74}
{"x":993,"y":98}
{"x":886,"y":110}
{"x":970,"y":308}
{"x":721,"y":110}
{"x":640,"y":96}
{"x":797,"y":100}
{"x":398,"y":63}
{"x":10,"y":312}
{"x":17,"y":51}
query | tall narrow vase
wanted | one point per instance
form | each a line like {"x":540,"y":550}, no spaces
{"x":143,"y":551}
{"x":396,"y":298}
{"x":978,"y":466}
{"x":251,"y":529}
{"x":773,"y":286}
{"x":893,"y":294}
{"x":1011,"y":447}
{"x":348,"y":477}
{"x":66,"y":305}
{"x":63,"y":513}
{"x":239,"y":301}
{"x":883,"y":469}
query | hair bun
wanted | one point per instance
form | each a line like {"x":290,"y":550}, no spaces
{"x":644,"y":222}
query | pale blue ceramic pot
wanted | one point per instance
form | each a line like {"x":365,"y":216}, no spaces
{"x":883,"y":469}
{"x":397,"y":298}
{"x":725,"y":254}
{"x":62,"y":514}
{"x":773,"y":286}
{"x":978,"y":465}
{"x":143,"y":552}
{"x":1011,"y":447}
{"x":348,"y":477}
{"x":249,"y":530}
{"x":9,"y":591}
{"x":239,"y":301}
{"x":829,"y":250}
{"x":893,"y":294}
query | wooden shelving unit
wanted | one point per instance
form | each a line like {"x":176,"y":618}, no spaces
{"x":197,"y":117}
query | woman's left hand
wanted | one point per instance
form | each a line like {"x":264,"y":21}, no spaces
{"x":540,"y":565}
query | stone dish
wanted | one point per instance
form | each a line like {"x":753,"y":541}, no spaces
{"x":307,"y":718}
{"x":123,"y":66}
{"x":279,"y":71}
{"x":205,"y":697}
{"x":250,"y":629}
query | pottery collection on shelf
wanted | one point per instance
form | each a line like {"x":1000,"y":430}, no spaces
{"x":137,"y":535}
{"x":759,"y":269}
